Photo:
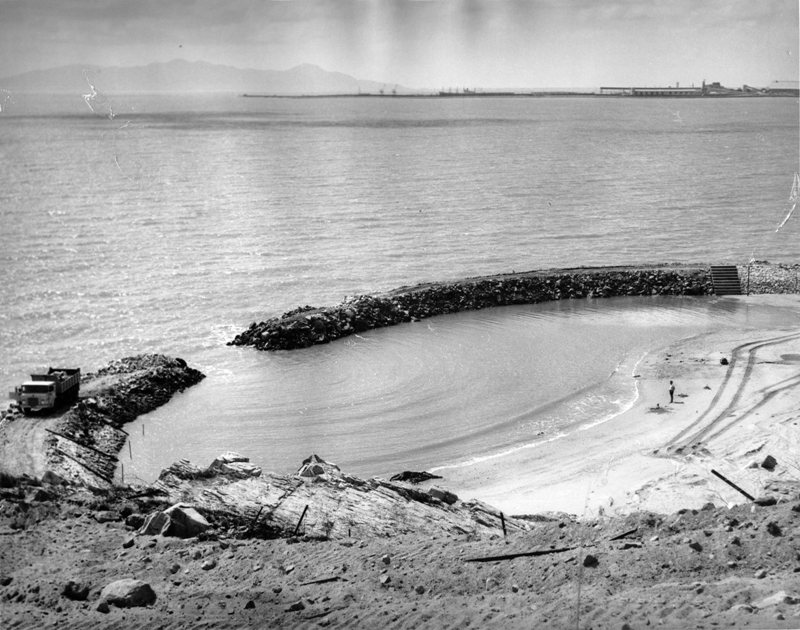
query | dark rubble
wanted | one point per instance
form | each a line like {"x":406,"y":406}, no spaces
{"x":307,"y":326}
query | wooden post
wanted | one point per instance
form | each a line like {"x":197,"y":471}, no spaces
{"x":503,"y":523}
{"x":130,"y":450}
{"x":255,"y":520}
{"x":296,"y":527}
{"x":748,"y":279}
{"x":733,"y":485}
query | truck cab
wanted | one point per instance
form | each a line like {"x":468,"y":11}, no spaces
{"x":48,"y":390}
{"x":36,"y":395}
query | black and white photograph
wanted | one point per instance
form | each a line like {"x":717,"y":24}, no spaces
{"x":400,"y":314}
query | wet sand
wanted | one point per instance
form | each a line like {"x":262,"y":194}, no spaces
{"x":658,"y":455}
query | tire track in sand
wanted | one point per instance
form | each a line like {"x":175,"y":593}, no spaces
{"x":730,"y":394}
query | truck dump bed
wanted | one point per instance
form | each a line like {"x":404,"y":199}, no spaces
{"x":65,"y":378}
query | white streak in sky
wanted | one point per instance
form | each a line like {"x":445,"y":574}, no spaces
{"x":95,"y":99}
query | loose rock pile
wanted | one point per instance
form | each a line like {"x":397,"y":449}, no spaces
{"x":769,"y":278}
{"x":307,"y":326}
{"x":322,"y":502}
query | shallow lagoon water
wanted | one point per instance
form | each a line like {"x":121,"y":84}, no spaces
{"x":440,"y":392}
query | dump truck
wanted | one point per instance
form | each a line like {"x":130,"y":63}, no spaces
{"x":46,"y":391}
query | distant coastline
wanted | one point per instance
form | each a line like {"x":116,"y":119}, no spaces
{"x":705,"y":90}
{"x":549,"y":94}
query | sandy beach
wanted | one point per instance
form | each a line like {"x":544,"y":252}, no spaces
{"x":658,"y":455}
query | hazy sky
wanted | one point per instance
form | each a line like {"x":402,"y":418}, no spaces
{"x":422,"y":43}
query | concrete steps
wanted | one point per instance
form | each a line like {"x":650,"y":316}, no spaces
{"x":725,"y":279}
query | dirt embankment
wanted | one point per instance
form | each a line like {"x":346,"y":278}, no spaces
{"x":73,"y":558}
{"x":81,"y":443}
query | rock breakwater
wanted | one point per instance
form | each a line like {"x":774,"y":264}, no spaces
{"x":764,"y":277}
{"x":307,"y":326}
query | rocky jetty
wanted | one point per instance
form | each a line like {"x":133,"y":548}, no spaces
{"x":307,"y":326}
{"x":764,"y":277}
{"x":81,"y":444}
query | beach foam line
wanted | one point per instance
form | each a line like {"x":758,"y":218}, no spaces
{"x":529,"y":445}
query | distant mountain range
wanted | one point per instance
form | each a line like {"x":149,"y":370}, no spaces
{"x":193,"y":76}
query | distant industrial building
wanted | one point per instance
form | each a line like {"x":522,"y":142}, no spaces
{"x":777,"y":88}
{"x":654,"y":91}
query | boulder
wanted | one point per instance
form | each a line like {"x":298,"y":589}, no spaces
{"x":769,"y":463}
{"x":411,"y":476}
{"x":40,"y":494}
{"x":53,"y":479}
{"x":76,"y":591}
{"x":128,"y":593}
{"x":740,"y":608}
{"x":184,"y":522}
{"x":134,"y":521}
{"x":781,"y":597}
{"x":774,"y":529}
{"x":230,"y":457}
{"x":183,"y":469}
{"x":314,"y":466}
{"x":153,"y":524}
{"x":106,"y":516}
{"x":234,"y":465}
{"x":181,"y":521}
{"x":443,"y":495}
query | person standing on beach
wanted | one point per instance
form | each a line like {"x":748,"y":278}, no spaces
{"x":671,"y":391}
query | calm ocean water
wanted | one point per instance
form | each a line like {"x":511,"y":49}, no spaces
{"x":172,"y":225}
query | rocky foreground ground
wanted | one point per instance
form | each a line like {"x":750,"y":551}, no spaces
{"x":122,"y":557}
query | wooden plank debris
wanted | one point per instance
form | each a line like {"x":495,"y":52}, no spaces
{"x":332,"y":578}
{"x":733,"y":485}
{"x":297,"y":527}
{"x":624,"y":534}
{"x":510,"y":556}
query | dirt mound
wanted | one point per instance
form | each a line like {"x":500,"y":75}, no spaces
{"x":713,"y":567}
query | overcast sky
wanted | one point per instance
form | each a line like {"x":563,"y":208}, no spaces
{"x":422,"y":43}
